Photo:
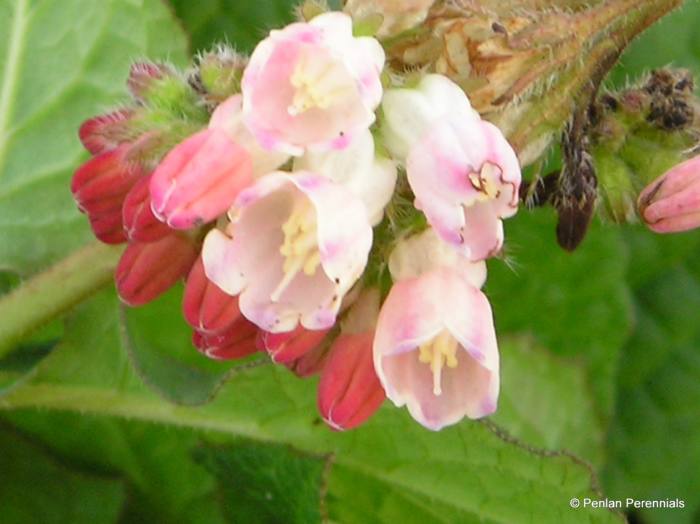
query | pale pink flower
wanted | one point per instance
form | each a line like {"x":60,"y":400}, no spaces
{"x":197,"y":181}
{"x":463,"y":172}
{"x":408,"y":113}
{"x":312,"y":85}
{"x":671,"y":203}
{"x":296,"y":244}
{"x":358,"y":168}
{"x":435,"y":347}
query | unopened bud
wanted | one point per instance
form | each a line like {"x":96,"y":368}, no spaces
{"x":104,"y":132}
{"x":349,"y":391}
{"x":220,"y":73}
{"x":100,"y":186}
{"x":284,"y":348}
{"x":147,"y":270}
{"x":144,"y":76}
{"x":671,"y":203}
{"x":237,"y":342}
{"x":199,"y":179}
{"x":140,"y":224}
{"x":206,"y":307}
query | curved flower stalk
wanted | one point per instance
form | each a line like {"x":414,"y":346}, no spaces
{"x":296,"y":244}
{"x":464,"y":174}
{"x":312,"y":85}
{"x":435,"y":348}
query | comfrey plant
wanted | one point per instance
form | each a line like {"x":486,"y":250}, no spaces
{"x":331,"y":200}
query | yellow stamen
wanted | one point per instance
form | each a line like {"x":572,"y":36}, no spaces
{"x":317,"y":83}
{"x":438,"y":352}
{"x":300,"y":247}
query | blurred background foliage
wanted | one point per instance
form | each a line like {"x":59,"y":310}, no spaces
{"x":111,"y":416}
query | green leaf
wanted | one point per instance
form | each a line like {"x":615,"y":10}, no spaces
{"x":266,"y":484}
{"x":653,"y":443}
{"x":62,"y":61}
{"x":545,"y":400}
{"x":164,"y":483}
{"x":158,"y":342}
{"x":466,"y":473}
{"x":34,"y":487}
{"x":244,"y":23}
{"x":18,"y":365}
{"x":574,"y":304}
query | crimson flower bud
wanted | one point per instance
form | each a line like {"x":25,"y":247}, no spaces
{"x":100,"y":186}
{"x":199,"y":179}
{"x":147,"y":270}
{"x":142,"y":77}
{"x":140,"y":223}
{"x":206,"y":308}
{"x":285,"y":348}
{"x":237,"y":342}
{"x":671,"y":203}
{"x":349,"y":391}
{"x":105,"y":132}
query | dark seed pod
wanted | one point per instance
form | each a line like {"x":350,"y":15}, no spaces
{"x":577,"y":189}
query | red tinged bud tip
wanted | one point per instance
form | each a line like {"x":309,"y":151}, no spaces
{"x":100,"y":186}
{"x":237,"y":342}
{"x":671,"y":203}
{"x":140,"y":224}
{"x":142,"y":77}
{"x":349,"y":391}
{"x":206,"y":308}
{"x":147,"y":270}
{"x":199,"y":179}
{"x":284,"y":348}
{"x":105,"y":132}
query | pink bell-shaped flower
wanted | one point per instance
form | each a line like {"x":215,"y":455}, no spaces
{"x":312,"y":85}
{"x":435,"y":347}
{"x":296,"y":244}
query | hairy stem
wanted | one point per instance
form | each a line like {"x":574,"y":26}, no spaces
{"x":54,"y":291}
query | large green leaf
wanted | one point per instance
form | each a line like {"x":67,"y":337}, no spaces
{"x":464,"y":473}
{"x":546,"y":400}
{"x":35,"y":487}
{"x":266,"y":484}
{"x":158,"y":342}
{"x":163,"y":481}
{"x":62,"y":61}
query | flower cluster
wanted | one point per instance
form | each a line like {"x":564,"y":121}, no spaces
{"x":271,"y":209}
